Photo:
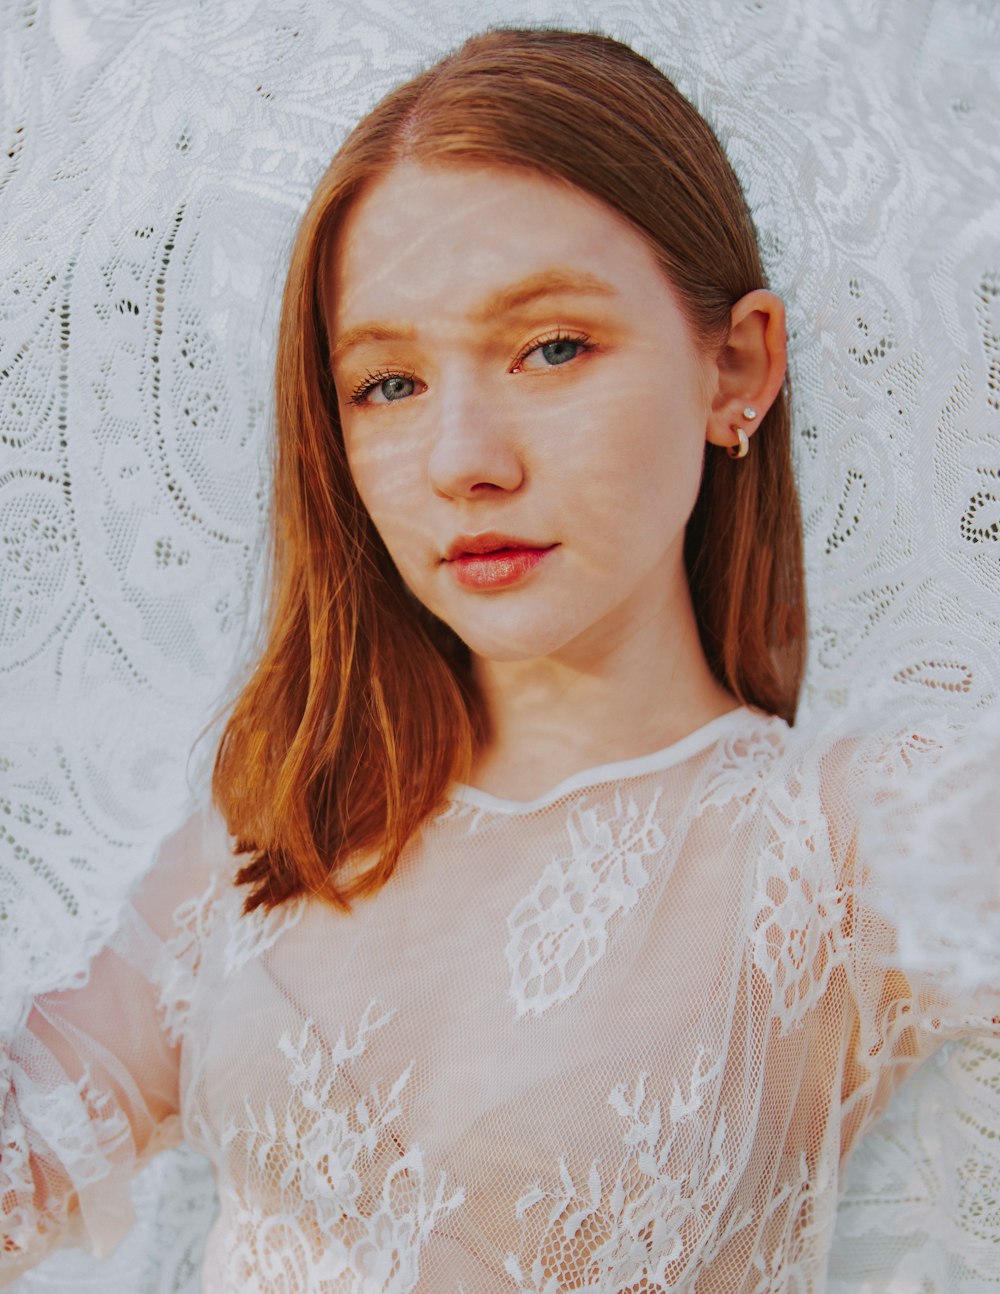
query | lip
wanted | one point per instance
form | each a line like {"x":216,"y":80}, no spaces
{"x":494,"y":561}
{"x":490,"y":541}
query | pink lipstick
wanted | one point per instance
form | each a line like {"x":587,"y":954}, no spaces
{"x":493,"y":561}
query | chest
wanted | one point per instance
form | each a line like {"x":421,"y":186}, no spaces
{"x":557,"y":1063}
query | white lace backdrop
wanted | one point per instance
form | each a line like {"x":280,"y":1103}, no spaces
{"x":154,"y":160}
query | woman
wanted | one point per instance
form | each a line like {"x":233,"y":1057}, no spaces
{"x":552,"y":961}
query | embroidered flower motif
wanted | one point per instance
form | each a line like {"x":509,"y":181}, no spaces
{"x":797,"y":936}
{"x":653,"y":1222}
{"x":743,"y":764}
{"x":354,"y":1206}
{"x":20,"y":1218}
{"x":795,"y":1232}
{"x":278,"y":1253}
{"x":176,"y":970}
{"x":560,"y":930}
{"x":250,"y":935}
{"x":82,"y":1125}
{"x":246,"y":937}
{"x":328,"y":1157}
{"x":386,"y":1254}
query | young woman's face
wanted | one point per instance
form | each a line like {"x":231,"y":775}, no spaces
{"x":523,"y":405}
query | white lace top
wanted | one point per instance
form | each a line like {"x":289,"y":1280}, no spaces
{"x":620,"y":1038}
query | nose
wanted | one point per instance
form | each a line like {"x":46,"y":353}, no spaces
{"x":475,"y":450}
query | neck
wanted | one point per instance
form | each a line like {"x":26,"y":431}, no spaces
{"x":595,"y":703}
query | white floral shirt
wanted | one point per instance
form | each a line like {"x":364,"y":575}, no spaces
{"x":618,"y":1039}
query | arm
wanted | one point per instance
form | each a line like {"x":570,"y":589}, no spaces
{"x":89,"y":1083}
{"x":915,"y":823}
{"x":933,"y":827}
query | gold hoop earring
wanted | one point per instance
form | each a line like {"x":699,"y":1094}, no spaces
{"x":741,"y":449}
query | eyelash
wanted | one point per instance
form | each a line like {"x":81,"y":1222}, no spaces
{"x":559,"y":334}
{"x":372,"y":379}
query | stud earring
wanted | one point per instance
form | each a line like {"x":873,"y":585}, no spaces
{"x":749,"y":413}
{"x":741,"y":449}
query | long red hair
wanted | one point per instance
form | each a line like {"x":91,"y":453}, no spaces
{"x":362,"y":708}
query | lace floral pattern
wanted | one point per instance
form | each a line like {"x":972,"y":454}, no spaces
{"x":359,"y":1207}
{"x":176,"y":972}
{"x":82,"y":1128}
{"x":17,"y":1186}
{"x":656,"y":1219}
{"x":560,"y":930}
{"x":147,"y":235}
{"x":82,"y":1124}
{"x":796,"y":1222}
{"x":745,"y":761}
{"x":292,"y":1253}
{"x":799,"y":908}
{"x":246,"y":938}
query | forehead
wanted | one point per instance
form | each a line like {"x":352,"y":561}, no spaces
{"x":437,"y":240}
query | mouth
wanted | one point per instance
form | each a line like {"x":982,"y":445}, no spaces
{"x":491,"y":544}
{"x":493,"y":561}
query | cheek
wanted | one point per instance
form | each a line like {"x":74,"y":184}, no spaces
{"x":375,"y":461}
{"x":632,"y":478}
{"x":384,"y":470}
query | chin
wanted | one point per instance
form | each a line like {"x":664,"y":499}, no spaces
{"x":508,"y":645}
{"x":505,"y":655}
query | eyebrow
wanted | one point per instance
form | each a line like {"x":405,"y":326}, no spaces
{"x":543,"y":284}
{"x":562,"y":282}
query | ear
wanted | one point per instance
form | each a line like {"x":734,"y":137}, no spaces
{"x":750,"y":367}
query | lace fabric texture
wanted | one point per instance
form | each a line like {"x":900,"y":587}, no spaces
{"x":579,"y":1044}
{"x":157,"y":160}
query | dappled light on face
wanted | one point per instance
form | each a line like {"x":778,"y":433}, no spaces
{"x":555,"y":422}
{"x":527,"y":372}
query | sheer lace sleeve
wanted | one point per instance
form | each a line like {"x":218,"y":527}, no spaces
{"x":934,"y":826}
{"x":922,"y":858}
{"x":89,"y":1083}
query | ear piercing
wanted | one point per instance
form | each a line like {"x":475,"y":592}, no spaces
{"x":742,"y":447}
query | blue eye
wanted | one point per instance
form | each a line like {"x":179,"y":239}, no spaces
{"x":394,"y":388}
{"x":554,"y":351}
{"x":558,"y":352}
{"x":391,"y":387}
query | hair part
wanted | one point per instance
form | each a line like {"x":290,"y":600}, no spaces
{"x":362,"y":709}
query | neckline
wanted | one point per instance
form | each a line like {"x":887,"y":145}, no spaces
{"x":656,"y":761}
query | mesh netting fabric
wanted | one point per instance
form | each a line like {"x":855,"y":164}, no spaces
{"x":156,"y":162}
{"x":576,"y":1043}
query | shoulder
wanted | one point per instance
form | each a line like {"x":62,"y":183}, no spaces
{"x":821,"y":777}
{"x":189,"y":868}
{"x":899,"y":803}
{"x":843,"y":755}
